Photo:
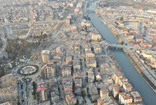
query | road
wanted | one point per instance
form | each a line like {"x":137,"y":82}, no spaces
{"x":4,"y":41}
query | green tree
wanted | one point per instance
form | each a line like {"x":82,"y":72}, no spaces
{"x":83,"y":93}
{"x":98,"y":70}
{"x":4,"y":58}
{"x":95,"y":103}
{"x":86,"y":73}
{"x":1,"y":73}
{"x":6,"y":69}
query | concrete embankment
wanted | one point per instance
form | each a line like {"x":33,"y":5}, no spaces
{"x":141,"y":71}
{"x":116,"y":34}
{"x":115,"y":61}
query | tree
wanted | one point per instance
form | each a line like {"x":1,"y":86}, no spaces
{"x":4,"y":58}
{"x":34,"y":93}
{"x":121,"y":18}
{"x":34,"y":85}
{"x":1,"y":61}
{"x":18,"y":102}
{"x":34,"y":97}
{"x":86,"y":73}
{"x":122,"y":42}
{"x":6,"y":69}
{"x":83,"y":93}
{"x":98,"y":70}
{"x":1,"y":73}
{"x":87,"y":89}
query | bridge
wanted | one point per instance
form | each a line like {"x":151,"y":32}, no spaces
{"x":90,"y":10}
{"x":119,"y":46}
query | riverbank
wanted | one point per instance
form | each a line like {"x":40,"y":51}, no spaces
{"x":115,"y":61}
{"x":126,"y":65}
{"x":140,"y":70}
{"x":144,"y":73}
{"x":113,"y":30}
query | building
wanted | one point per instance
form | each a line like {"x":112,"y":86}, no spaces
{"x":66,"y":71}
{"x":42,"y":91}
{"x":8,"y":80}
{"x":77,"y":91}
{"x":76,"y":64}
{"x":44,"y":103}
{"x":67,"y":85}
{"x":123,"y":81}
{"x":94,"y":97}
{"x":85,"y":23}
{"x":9,"y":103}
{"x":95,"y":36}
{"x":104,"y":92}
{"x":76,"y":46}
{"x":8,"y":88}
{"x":119,"y":79}
{"x":77,"y":75}
{"x":68,"y":60}
{"x":8,"y":94}
{"x":116,"y":77}
{"x":89,"y":53}
{"x":115,"y":90}
{"x":97,"y":49}
{"x":90,"y":75}
{"x":125,"y":98}
{"x":54,"y":97}
{"x":91,"y":62}
{"x":59,"y":50}
{"x":136,"y":96}
{"x":71,"y":99}
{"x":78,"y":82}
{"x":141,"y":30}
{"x":48,"y":71}
{"x":92,"y":90}
{"x":106,"y":101}
{"x":98,"y":76}
{"x":127,"y":87}
{"x":80,"y":100}
{"x":54,"y":92}
{"x":68,"y":20}
{"x":45,"y":55}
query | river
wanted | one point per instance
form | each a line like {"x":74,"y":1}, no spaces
{"x":148,"y":95}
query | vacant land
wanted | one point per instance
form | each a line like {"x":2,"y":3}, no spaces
{"x":143,"y":5}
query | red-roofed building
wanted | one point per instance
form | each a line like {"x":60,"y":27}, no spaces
{"x":104,"y":92}
{"x":115,"y":90}
{"x":71,"y":99}
{"x":42,"y":91}
{"x":66,"y":71}
{"x":136,"y":96}
{"x":127,"y":87}
{"x":125,"y":98}
{"x":48,"y":71}
{"x":106,"y":101}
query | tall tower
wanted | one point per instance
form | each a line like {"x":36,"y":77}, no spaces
{"x":141,"y":28}
{"x":45,"y":55}
{"x":146,"y":31}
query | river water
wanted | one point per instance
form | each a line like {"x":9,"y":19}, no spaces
{"x":148,"y":95}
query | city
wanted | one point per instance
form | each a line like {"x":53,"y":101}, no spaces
{"x":77,"y":52}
